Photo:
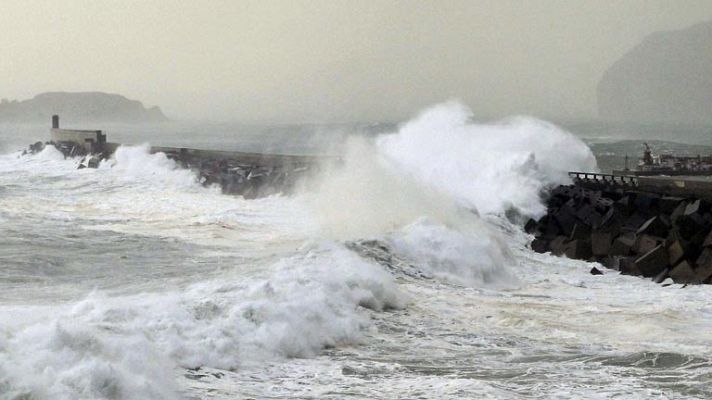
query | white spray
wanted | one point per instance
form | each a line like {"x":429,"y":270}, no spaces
{"x":491,"y":167}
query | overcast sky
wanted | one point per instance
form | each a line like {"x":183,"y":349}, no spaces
{"x":321,"y":61}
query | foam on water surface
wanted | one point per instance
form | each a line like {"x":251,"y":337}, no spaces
{"x":127,"y":347}
{"x":134,"y":281}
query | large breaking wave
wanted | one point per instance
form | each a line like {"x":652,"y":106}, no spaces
{"x":128,"y":347}
{"x":430,"y":187}
{"x":426,"y":190}
{"x":492,"y":167}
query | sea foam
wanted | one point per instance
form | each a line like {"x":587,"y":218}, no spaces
{"x":128,"y":347}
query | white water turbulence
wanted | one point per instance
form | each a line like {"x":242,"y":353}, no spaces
{"x":168,"y":292}
{"x":396,"y":273}
{"x":367,"y":197}
{"x":491,"y":167}
{"x":134,"y":165}
{"x":128,"y":347}
{"x":426,"y":187}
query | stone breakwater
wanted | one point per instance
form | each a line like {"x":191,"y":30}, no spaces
{"x":637,"y":233}
{"x":250,"y":175}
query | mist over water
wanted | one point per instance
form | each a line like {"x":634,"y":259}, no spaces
{"x":134,"y":281}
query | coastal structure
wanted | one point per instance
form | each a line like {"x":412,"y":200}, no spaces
{"x":247,"y":174}
{"x":78,"y":141}
{"x":668,"y":164}
{"x":653,"y":226}
{"x":657,"y":227}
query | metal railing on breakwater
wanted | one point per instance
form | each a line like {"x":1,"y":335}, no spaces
{"x":607,"y":180}
{"x":683,"y":186}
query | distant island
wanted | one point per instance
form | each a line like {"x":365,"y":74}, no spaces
{"x":665,"y":78}
{"x":78,"y":106}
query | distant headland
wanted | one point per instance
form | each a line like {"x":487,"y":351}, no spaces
{"x":78,"y":106}
{"x":666,"y":78}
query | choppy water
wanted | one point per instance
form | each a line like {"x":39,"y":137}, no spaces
{"x":131,"y":281}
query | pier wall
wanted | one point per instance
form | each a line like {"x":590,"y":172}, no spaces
{"x":241,"y":173}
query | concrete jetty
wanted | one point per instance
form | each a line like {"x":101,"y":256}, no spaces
{"x":247,"y":174}
{"x":657,"y":227}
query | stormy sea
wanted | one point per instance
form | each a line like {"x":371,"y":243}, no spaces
{"x":401,"y":272}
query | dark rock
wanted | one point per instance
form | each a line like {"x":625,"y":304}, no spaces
{"x":703,"y":264}
{"x":623,"y":245}
{"x":627,"y":266}
{"x":592,"y":196}
{"x":611,"y":262}
{"x":601,"y":243}
{"x":704,"y":272}
{"x":93,"y":162}
{"x":578,"y":249}
{"x":668,"y":204}
{"x":611,"y":193}
{"x":678,"y":211}
{"x":659,"y":278}
{"x":603,"y":204}
{"x":634,"y":222}
{"x":566,"y":219}
{"x":655,"y":226}
{"x":557,"y":245}
{"x":634,"y":232}
{"x":588,"y":215}
{"x":683,"y":273}
{"x":562,"y":192}
{"x":624,"y":203}
{"x":644,"y":203}
{"x":674,"y":234}
{"x":676,"y":251}
{"x":689,"y":225}
{"x":36,"y":147}
{"x":581,"y":232}
{"x":695,"y":246}
{"x":665,"y":219}
{"x":611,"y":221}
{"x":90,"y":161}
{"x":693,"y":207}
{"x":708,"y":240}
{"x":645,"y":243}
{"x":540,"y":245}
{"x":707,"y":217}
{"x":651,"y":263}
{"x":531,"y":226}
{"x":705,"y":257}
{"x":550,"y":229}
{"x":595,"y":271}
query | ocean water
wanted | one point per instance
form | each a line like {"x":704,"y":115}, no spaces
{"x":402,"y":273}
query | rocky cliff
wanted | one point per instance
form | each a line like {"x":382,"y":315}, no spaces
{"x":84,"y":106}
{"x":666,"y":78}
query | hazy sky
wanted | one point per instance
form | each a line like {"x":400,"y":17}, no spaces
{"x":328,"y":60}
